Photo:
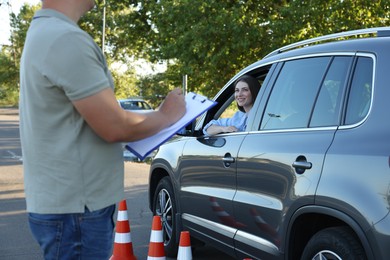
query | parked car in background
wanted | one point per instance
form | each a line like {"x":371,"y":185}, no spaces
{"x":135,"y":105}
{"x":310,"y":176}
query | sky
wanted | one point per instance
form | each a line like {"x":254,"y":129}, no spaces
{"x":6,"y":7}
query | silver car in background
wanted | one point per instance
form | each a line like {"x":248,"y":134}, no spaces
{"x":135,"y":105}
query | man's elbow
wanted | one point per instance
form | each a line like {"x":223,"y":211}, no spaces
{"x":112,"y":137}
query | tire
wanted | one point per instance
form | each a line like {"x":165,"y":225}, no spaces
{"x":164,"y":205}
{"x":334,"y":243}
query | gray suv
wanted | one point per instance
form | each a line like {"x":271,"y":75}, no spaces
{"x":314,"y":185}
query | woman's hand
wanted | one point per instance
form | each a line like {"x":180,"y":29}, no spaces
{"x":216,"y":129}
{"x":229,"y":129}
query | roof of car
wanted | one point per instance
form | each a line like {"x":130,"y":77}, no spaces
{"x":331,"y":43}
{"x":362,"y":33}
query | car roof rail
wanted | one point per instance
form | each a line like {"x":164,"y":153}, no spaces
{"x":379,"y":31}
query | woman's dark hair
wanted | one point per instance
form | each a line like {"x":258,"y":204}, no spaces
{"x":254,"y":87}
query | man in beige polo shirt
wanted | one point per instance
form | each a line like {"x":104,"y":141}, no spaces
{"x":71,"y":127}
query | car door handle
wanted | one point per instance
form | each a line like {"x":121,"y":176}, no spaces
{"x":301,"y":166}
{"x":228,"y":160}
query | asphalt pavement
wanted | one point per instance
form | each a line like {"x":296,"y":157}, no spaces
{"x":16,"y":241}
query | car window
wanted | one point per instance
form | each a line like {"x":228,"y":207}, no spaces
{"x":294,"y":93}
{"x":327,"y":108}
{"x":359,"y":99}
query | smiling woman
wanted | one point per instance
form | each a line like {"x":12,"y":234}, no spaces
{"x":246,"y":89}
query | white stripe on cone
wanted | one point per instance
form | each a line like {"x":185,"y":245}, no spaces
{"x":184,"y":253}
{"x":122,"y":238}
{"x":156,"y":236}
{"x":122,"y":215}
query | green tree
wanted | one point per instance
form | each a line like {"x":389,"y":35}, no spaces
{"x":10,"y":55}
{"x":209,"y":41}
{"x":304,"y":19}
{"x":125,"y":80}
{"x":8,"y":78}
{"x":118,"y":56}
{"x":154,"y":87}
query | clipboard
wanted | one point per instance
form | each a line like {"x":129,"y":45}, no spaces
{"x":195,"y":106}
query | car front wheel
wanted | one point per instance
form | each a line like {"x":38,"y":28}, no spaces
{"x":165,"y":207}
{"x":334,"y":243}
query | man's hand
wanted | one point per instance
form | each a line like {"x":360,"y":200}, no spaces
{"x":174,"y":106}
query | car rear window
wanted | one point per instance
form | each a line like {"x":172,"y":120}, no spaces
{"x":359,"y":98}
{"x":328,"y":105}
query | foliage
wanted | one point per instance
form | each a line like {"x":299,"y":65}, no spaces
{"x":10,"y":56}
{"x":209,"y":41}
{"x":125,"y":83}
{"x":8,"y":79}
{"x":317,"y":17}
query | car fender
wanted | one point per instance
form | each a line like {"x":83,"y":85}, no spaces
{"x":334,"y":214}
{"x":164,"y":164}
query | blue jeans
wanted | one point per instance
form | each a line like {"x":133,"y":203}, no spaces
{"x":87,"y":235}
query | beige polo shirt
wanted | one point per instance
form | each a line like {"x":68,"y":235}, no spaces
{"x":66,"y":165}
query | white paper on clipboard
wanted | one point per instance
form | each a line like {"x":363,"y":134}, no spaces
{"x":195,"y":106}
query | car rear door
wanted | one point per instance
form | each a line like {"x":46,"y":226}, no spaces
{"x":280,"y":161}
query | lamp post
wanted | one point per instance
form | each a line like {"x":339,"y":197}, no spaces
{"x":104,"y":25}
{"x":185,"y":78}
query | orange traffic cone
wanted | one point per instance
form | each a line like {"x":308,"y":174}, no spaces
{"x":156,"y":245}
{"x":184,"y":246}
{"x":123,"y":247}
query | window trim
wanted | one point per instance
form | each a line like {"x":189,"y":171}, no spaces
{"x":373,"y":57}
